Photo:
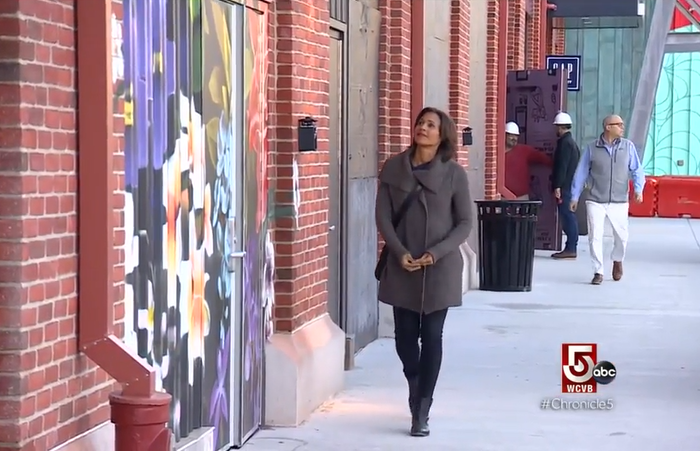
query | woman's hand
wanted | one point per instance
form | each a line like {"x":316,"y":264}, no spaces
{"x":409,"y":264}
{"x":426,"y":260}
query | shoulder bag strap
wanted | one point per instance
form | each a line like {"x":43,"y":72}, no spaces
{"x":412,"y":196}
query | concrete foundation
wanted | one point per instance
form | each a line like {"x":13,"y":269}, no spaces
{"x":100,"y":437}
{"x":303,"y":370}
{"x":200,"y":440}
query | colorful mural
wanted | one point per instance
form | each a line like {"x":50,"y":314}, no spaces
{"x":673,"y":140}
{"x":192,"y":96}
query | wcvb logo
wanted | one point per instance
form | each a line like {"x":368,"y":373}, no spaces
{"x":580,"y":370}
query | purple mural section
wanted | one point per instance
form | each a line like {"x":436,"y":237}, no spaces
{"x":533,"y":98}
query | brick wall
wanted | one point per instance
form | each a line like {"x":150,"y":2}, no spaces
{"x":558,"y":42}
{"x":299,"y":36}
{"x":395,"y":121}
{"x":516,"y":34}
{"x":48,"y":391}
{"x":533,"y":36}
{"x":556,"y":37}
{"x":119,"y":177}
{"x":459,"y":68}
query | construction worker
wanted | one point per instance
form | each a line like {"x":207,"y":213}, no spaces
{"x":566,"y":156}
{"x":519,"y":158}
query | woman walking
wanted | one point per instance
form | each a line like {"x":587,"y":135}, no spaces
{"x":422,"y":278}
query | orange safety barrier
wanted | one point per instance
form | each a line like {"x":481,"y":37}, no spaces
{"x":678,"y":197}
{"x":647,"y":209}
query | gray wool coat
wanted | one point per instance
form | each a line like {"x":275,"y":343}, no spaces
{"x":438,"y":221}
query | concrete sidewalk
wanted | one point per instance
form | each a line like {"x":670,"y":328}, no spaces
{"x":503,"y":357}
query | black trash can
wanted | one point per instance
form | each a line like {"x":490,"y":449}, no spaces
{"x":507,"y":244}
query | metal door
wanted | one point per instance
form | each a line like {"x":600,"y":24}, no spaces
{"x":178,"y":141}
{"x":235,"y":221}
{"x":534,"y":97}
{"x":254,"y":226}
{"x":222,"y":59}
{"x":335,"y":150}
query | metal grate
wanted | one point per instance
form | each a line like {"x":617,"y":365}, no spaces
{"x":595,"y":8}
{"x":339,"y":10}
{"x":573,"y":23}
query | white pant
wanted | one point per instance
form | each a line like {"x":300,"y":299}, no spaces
{"x":618,"y":216}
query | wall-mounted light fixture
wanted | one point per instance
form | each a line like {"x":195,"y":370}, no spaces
{"x":307,"y":135}
{"x":467,"y":139}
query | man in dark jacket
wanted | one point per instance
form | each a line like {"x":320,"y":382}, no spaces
{"x":566,"y":156}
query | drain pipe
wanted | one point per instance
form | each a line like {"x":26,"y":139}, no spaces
{"x":139,"y":413}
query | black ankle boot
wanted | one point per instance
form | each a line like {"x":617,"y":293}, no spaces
{"x":419,"y":425}
{"x":413,"y":398}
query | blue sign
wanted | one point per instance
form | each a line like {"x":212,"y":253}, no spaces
{"x":571,"y":64}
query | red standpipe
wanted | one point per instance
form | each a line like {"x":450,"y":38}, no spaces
{"x":139,"y":413}
{"x":139,"y":422}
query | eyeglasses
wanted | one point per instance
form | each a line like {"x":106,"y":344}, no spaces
{"x":619,"y":124}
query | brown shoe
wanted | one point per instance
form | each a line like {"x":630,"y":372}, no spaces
{"x":617,"y":271}
{"x":564,"y":255}
{"x":597,"y":279}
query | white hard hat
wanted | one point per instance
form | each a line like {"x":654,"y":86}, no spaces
{"x":512,"y":128}
{"x":562,"y":118}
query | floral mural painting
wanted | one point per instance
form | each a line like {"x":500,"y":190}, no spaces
{"x":220,"y":71}
{"x":191,"y":91}
{"x":176,"y":95}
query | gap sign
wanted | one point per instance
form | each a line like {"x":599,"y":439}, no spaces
{"x":571,"y":64}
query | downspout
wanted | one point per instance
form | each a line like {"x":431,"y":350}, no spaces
{"x":139,"y":412}
{"x":501,"y":99}
{"x":417,"y":58}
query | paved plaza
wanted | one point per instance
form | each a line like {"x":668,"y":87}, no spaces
{"x":503,"y":357}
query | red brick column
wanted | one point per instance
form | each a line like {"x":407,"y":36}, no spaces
{"x":516,"y":34}
{"x":491,"y":134}
{"x":49,"y":392}
{"x":459,"y":69}
{"x":395,"y":121}
{"x":299,"y":34}
{"x":558,"y":46}
{"x":534,"y":39}
{"x":396,"y":90}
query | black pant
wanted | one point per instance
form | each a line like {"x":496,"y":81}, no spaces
{"x":569,"y":222}
{"x":422,"y":362}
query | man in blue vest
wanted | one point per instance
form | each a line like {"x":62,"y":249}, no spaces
{"x":606,"y":165}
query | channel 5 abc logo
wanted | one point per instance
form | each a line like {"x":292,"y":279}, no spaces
{"x":581,"y":372}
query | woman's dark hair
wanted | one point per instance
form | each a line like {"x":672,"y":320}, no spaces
{"x":448,"y":133}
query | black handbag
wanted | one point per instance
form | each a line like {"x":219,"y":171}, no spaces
{"x":395,"y":221}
